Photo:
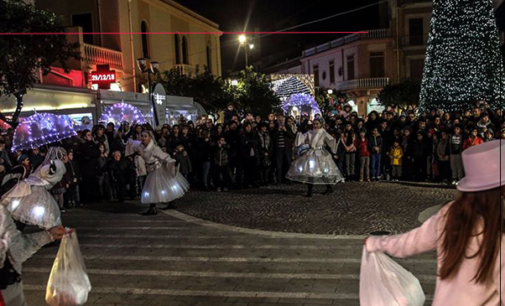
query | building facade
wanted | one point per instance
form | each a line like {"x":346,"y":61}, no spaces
{"x":121,"y":35}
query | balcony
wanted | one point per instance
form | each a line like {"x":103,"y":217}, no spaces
{"x":363,"y":84}
{"x":185,"y":69}
{"x":372,"y":34}
{"x":94,"y":55}
{"x":414,"y":41}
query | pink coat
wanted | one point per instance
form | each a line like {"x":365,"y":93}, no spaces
{"x":460,"y":289}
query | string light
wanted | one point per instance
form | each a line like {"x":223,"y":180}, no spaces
{"x":41,"y":129}
{"x":463,"y":60}
{"x":299,"y":100}
{"x":286,"y":85}
{"x":122,"y":112}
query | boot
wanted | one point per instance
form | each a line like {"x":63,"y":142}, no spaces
{"x":169,"y":206}
{"x":328,"y":190}
{"x":151,"y":211}
{"x":310,"y":192}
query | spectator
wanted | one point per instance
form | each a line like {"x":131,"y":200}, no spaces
{"x":362,"y":146}
{"x":375,"y":144}
{"x":283,"y":139}
{"x":456,"y":148}
{"x":220,"y":165}
{"x":122,"y":173}
{"x":443,"y":152}
{"x":473,"y":139}
{"x":183,"y":160}
{"x":396,"y":154}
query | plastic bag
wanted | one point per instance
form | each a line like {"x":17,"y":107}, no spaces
{"x":68,"y":283}
{"x":383,"y":282}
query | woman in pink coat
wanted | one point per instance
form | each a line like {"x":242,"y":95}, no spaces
{"x":466,"y":233}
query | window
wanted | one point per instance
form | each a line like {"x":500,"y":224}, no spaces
{"x":316,"y":75}
{"x":185,"y":59}
{"x":177,"y":49}
{"x":416,"y":69}
{"x":377,"y":65}
{"x":145,"y":39}
{"x":350,"y":67}
{"x":416,"y":32}
{"x":332,"y":72}
{"x":209,"y":59}
{"x":85,"y":21}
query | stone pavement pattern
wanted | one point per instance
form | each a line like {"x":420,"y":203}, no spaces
{"x":169,"y":261}
{"x":354,"y":208}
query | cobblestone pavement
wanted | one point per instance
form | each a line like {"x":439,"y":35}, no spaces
{"x":173,"y":260}
{"x":354,"y":208}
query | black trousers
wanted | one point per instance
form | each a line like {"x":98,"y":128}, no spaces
{"x":283,"y":157}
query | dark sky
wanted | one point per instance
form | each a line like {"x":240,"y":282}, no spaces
{"x":273,"y":15}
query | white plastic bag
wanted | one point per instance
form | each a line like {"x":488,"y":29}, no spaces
{"x":383,"y":282}
{"x":68,"y":283}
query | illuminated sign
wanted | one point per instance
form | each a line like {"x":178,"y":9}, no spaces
{"x":159,"y":98}
{"x":103,"y":76}
{"x":98,"y":77}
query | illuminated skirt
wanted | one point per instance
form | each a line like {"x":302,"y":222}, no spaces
{"x":162,"y":187}
{"x":316,"y":167}
{"x":32,"y":205}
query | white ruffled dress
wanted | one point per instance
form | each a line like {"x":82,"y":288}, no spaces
{"x":164,"y":183}
{"x":30,"y":201}
{"x":317,"y":165}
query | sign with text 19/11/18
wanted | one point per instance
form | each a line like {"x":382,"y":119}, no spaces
{"x":103,"y":76}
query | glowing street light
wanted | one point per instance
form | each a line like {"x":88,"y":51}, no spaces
{"x":234,"y":83}
{"x":242,"y":39}
{"x":243,"y":42}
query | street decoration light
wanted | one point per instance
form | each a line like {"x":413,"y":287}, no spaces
{"x":243,"y":42}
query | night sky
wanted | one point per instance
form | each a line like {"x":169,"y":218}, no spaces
{"x":273,"y":15}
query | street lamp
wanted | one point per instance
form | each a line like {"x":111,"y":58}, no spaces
{"x":243,"y":42}
{"x":150,"y":68}
{"x":234,"y":83}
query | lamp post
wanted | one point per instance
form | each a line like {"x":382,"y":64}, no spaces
{"x":243,"y":42}
{"x":149,"y":67}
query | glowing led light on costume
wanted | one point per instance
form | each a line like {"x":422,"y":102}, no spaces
{"x":163,"y":192}
{"x":146,"y":194}
{"x":300,"y":169}
{"x":312,"y":164}
{"x":15,"y":204}
{"x":39,"y":211}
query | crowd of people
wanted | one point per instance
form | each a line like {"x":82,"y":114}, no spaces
{"x":250,"y":151}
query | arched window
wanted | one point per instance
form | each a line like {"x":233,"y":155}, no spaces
{"x":177,"y":49}
{"x":145,"y":39}
{"x":209,"y":59}
{"x":185,"y":59}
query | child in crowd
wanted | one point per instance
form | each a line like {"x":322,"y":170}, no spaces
{"x":182,"y":158}
{"x":364,"y":156}
{"x":220,"y":165}
{"x":396,"y":155}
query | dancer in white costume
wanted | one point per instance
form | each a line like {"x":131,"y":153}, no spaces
{"x":30,"y":202}
{"x":316,"y":167}
{"x":164,"y":183}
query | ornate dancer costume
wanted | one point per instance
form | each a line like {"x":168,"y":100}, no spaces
{"x":164,"y":183}
{"x":316,"y":166}
{"x":30,"y":201}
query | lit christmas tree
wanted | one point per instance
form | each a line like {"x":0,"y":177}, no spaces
{"x":463,"y":61}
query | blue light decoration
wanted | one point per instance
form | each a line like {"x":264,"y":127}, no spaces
{"x":122,"y":112}
{"x":301,"y":101}
{"x":41,"y":129}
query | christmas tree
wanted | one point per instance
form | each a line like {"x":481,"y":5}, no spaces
{"x":463,"y":61}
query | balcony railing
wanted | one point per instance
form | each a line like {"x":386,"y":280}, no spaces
{"x":414,"y":40}
{"x":102,"y":56}
{"x":185,"y":69}
{"x":372,"y":34}
{"x":373,"y":83}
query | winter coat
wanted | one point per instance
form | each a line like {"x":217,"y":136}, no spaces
{"x":249,"y":145}
{"x":140,"y":166}
{"x":469,"y":142}
{"x":89,"y":159}
{"x":443,"y":151}
{"x":220,"y":155}
{"x":396,"y":155}
{"x":373,"y":142}
{"x":289,"y":137}
{"x":122,"y":168}
{"x":456,"y":144}
{"x":233,"y":140}
{"x":184,"y":162}
{"x":362,"y":147}
{"x":73,"y":172}
{"x":204,"y":150}
{"x":102,"y":140}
